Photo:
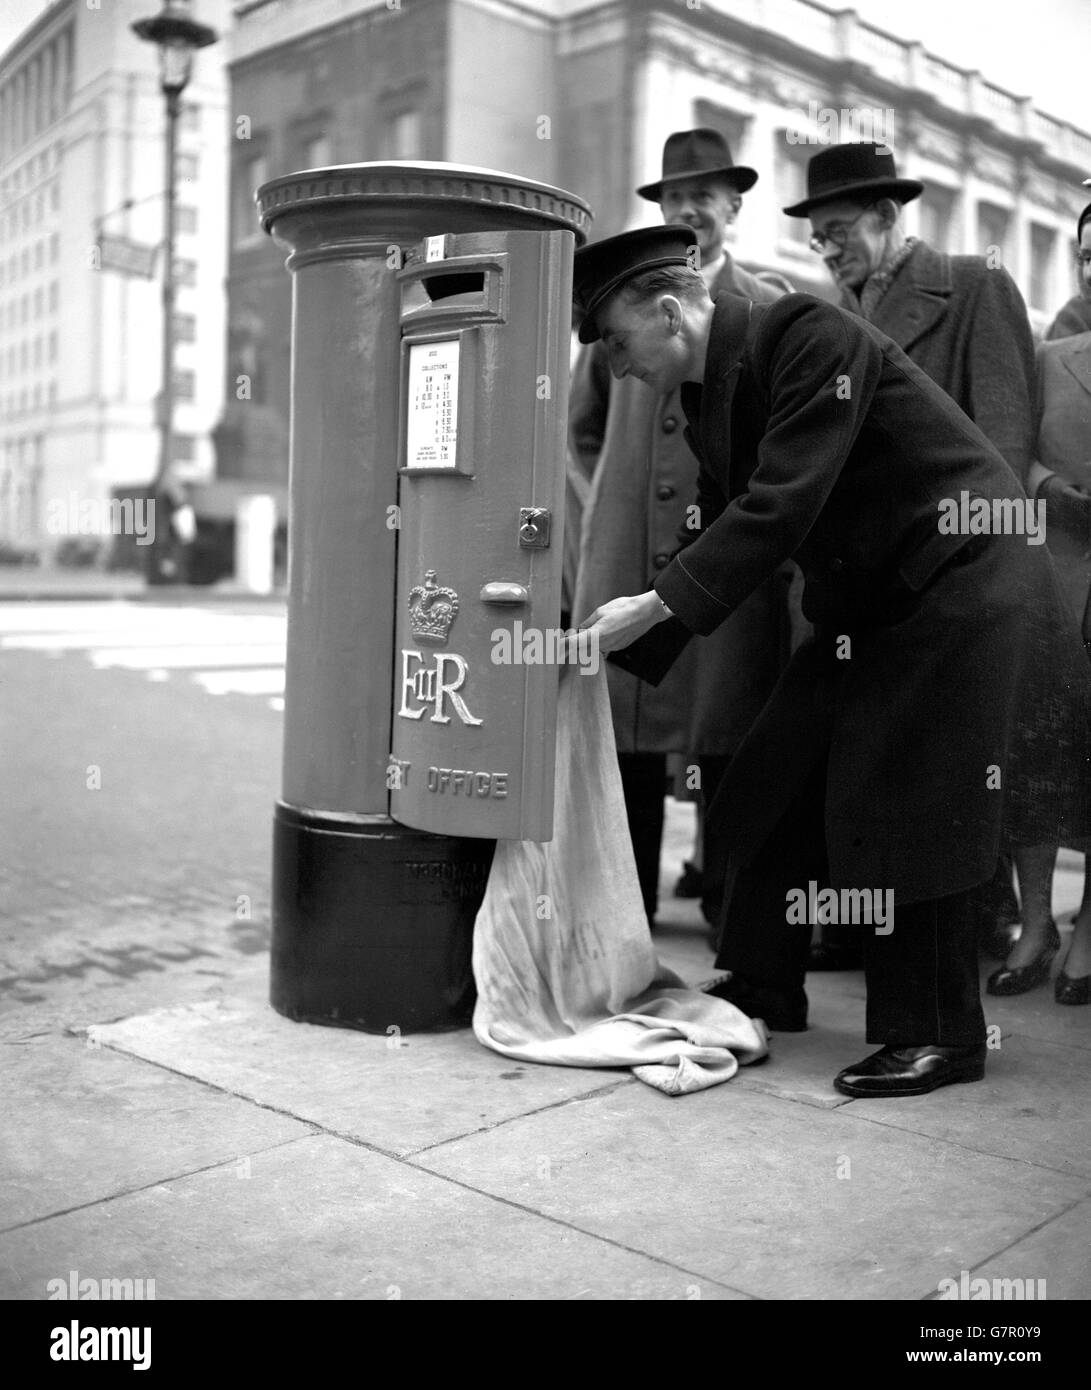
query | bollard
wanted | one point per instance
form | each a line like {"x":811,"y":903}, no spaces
{"x":372,"y":918}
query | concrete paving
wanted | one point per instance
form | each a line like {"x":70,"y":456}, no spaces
{"x":163,"y":1123}
{"x":228,"y":1153}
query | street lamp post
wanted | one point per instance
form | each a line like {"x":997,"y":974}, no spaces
{"x":178,"y":35}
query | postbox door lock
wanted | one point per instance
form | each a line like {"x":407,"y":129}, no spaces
{"x":534,"y":525}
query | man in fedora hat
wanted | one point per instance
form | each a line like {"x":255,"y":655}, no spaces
{"x":942,"y":707}
{"x":962,"y":320}
{"x":642,"y":477}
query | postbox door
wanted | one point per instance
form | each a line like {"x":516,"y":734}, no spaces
{"x":486,"y":324}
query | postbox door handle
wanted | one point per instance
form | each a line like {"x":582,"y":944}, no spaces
{"x":501,"y":592}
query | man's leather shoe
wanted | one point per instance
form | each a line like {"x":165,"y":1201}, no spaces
{"x":784,"y":1011}
{"x":911,"y":1071}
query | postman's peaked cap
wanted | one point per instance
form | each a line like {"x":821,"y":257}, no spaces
{"x":604,"y":266}
{"x":847,"y":171}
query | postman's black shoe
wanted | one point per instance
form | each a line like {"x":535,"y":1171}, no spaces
{"x":1022,"y":978}
{"x":824,"y":956}
{"x":911,"y":1071}
{"x":1067,"y":990}
{"x":784,"y":1011}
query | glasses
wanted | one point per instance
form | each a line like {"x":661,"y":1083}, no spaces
{"x":838,"y":234}
{"x":1083,"y":258}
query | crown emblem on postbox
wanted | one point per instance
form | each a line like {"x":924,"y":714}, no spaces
{"x":432,"y":609}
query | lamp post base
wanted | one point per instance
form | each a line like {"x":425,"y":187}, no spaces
{"x":373,"y":923}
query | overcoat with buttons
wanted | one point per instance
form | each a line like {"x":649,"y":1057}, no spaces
{"x":946,"y":682}
{"x":644,"y":479}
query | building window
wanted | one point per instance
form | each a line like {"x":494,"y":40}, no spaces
{"x":402,"y":136}
{"x":1043,"y":256}
{"x":183,"y":448}
{"x":190,"y":121}
{"x":253,"y":172}
{"x":186,"y":166}
{"x":185,"y":384}
{"x":39,"y":255}
{"x":185,"y":272}
{"x":54,"y":295}
{"x":53,"y":346}
{"x":992,"y":229}
{"x":730,"y":124}
{"x":316,"y":152}
{"x":937,"y":213}
{"x":791,"y":183}
{"x":186,"y":219}
{"x":55,"y":248}
{"x":38,"y":302}
{"x":185,"y":328}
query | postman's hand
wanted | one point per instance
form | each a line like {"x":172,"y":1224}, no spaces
{"x":621,"y":621}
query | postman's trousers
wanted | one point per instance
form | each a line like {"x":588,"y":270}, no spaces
{"x":922,"y":977}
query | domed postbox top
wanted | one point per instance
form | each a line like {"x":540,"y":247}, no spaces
{"x":399,"y":198}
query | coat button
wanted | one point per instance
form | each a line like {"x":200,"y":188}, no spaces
{"x":664,"y":492}
{"x":670,"y":424}
{"x":836,"y":566}
{"x":661,"y":560}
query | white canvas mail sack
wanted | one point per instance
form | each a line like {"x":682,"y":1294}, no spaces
{"x":565,"y":969}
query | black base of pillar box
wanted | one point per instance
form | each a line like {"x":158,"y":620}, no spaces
{"x":373,"y":923}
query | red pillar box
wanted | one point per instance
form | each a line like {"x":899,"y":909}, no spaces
{"x":430,"y":343}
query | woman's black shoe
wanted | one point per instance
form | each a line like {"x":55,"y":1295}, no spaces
{"x":1067,"y":990}
{"x":1002,"y":938}
{"x":1023,"y":977}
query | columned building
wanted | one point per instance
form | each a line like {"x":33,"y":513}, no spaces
{"x":82,"y":154}
{"x":582,"y":93}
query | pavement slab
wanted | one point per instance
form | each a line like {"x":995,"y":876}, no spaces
{"x":1033,"y":1105}
{"x":1058,"y":1253}
{"x":83,"y":1124}
{"x":397,"y":1094}
{"x":776,"y":1199}
{"x":323,"y":1218}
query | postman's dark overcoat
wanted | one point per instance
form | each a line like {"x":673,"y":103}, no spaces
{"x":644,"y":477}
{"x":957,"y":720}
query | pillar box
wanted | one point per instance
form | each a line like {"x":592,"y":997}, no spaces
{"x":430,"y":348}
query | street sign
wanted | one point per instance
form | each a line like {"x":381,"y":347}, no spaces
{"x":126,"y":256}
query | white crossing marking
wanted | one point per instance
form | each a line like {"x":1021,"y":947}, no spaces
{"x":262,"y":680}
{"x":223,"y":653}
{"x":183,"y":658}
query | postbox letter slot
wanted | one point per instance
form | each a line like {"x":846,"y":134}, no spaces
{"x":500,"y":592}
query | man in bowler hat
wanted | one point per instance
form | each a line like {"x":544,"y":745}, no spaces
{"x":642,"y":477}
{"x":919,"y":729}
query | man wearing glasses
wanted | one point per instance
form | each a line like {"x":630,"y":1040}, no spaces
{"x":962,"y":320}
